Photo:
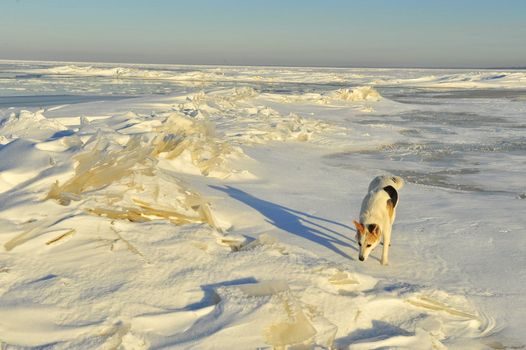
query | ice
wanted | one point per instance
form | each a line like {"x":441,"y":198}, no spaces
{"x":22,"y":124}
{"x":180,"y":136}
{"x":437,"y":78}
{"x":363,"y":93}
{"x":37,"y":237}
{"x":130,"y":199}
{"x":212,"y":207}
{"x":466,"y":80}
{"x":112,"y":72}
{"x":101,"y":166}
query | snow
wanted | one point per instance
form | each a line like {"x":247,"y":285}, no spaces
{"x":218,"y":214}
{"x":463,"y":79}
{"x":469,"y":80}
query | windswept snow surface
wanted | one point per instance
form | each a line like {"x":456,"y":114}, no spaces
{"x":185,"y":207}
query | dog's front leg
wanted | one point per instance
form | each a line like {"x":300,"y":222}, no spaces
{"x":387,"y":243}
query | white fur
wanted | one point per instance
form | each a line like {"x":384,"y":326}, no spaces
{"x":374,"y":211}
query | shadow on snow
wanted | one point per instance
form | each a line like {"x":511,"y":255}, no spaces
{"x":311,"y":227}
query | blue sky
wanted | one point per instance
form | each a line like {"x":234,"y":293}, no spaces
{"x":373,"y":33}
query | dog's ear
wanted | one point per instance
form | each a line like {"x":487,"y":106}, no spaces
{"x":374,"y":229}
{"x":359,"y":227}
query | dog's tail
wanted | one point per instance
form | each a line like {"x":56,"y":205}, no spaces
{"x":384,"y":180}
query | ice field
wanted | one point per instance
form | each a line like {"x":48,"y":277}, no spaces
{"x":210,"y":207}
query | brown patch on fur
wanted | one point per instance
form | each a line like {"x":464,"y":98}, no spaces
{"x":360,"y":229}
{"x":374,"y":234}
{"x":372,"y":237}
{"x":390,"y":208}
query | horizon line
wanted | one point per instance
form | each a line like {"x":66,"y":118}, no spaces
{"x":258,"y":65}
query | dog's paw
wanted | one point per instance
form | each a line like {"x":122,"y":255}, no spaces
{"x":384,"y":262}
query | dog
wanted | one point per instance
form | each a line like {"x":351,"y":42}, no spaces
{"x":377,"y":215}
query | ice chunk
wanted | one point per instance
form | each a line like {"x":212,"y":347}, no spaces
{"x":180,"y":135}
{"x":102,"y":166}
{"x":362,"y":93}
{"x":27,"y":124}
{"x":123,"y":184}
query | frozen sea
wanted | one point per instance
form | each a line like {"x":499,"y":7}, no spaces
{"x":283,"y":173}
{"x":466,"y":137}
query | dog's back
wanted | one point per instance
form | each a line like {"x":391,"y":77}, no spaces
{"x":382,"y":181}
{"x":380,"y":203}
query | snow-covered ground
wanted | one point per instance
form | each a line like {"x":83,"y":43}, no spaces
{"x":147,"y":207}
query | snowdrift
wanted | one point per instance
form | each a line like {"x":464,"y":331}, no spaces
{"x":111,"y":238}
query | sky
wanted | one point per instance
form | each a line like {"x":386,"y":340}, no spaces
{"x":332,"y":33}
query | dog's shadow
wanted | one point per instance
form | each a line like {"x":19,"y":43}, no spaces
{"x":311,"y":227}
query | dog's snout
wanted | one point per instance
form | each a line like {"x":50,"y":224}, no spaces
{"x":361,"y":258}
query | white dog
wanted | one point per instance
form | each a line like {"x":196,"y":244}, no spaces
{"x":377,"y":215}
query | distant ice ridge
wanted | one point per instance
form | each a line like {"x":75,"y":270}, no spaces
{"x":250,"y":120}
{"x":356,"y":97}
{"x":108,"y":71}
{"x":199,"y":74}
{"x":204,"y":74}
{"x":193,"y":74}
{"x":469,"y":80}
{"x":361,"y":93}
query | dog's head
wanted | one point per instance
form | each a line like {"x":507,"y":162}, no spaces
{"x":367,"y":237}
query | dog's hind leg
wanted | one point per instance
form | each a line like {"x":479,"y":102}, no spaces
{"x":387,"y":243}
